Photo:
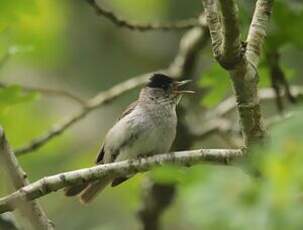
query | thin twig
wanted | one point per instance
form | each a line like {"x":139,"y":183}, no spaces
{"x":214,"y":121}
{"x":32,"y":210}
{"x":50,"y":184}
{"x":264,"y":94}
{"x":45,"y":91}
{"x":179,"y":25}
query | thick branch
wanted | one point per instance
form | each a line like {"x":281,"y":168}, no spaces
{"x":53,"y":183}
{"x":243,"y":71}
{"x":258,"y":30}
{"x":231,"y":44}
{"x":32,"y":210}
{"x":117,"y":20}
{"x":245,"y":76}
{"x":224,"y":31}
{"x":214,"y":25}
{"x":245,"y":79}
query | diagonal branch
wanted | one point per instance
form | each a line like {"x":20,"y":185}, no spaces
{"x":50,"y":184}
{"x":117,"y":20}
{"x":32,"y":210}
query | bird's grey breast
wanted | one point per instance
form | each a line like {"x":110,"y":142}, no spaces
{"x":147,"y":130}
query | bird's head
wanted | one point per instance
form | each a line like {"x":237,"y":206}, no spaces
{"x":164,"y":88}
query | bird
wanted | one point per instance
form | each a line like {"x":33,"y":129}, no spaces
{"x":147,"y":127}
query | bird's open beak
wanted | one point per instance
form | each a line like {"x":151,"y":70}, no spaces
{"x":178,"y":84}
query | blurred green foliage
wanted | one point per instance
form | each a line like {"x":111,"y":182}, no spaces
{"x":64,"y":45}
{"x":12,"y":95}
{"x":218,"y":86}
{"x":231,"y":199}
{"x":34,"y":24}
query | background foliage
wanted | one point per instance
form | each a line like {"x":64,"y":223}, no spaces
{"x":64,"y":45}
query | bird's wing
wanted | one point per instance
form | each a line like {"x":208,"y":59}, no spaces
{"x":128,"y":110}
{"x":100,"y":156}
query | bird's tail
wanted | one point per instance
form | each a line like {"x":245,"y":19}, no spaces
{"x":90,"y":192}
{"x":87,"y":192}
{"x":74,"y":190}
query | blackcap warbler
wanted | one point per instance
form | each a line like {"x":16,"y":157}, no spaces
{"x":146,"y":127}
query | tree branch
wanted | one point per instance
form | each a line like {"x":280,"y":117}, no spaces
{"x":278,"y":79}
{"x":214,"y":121}
{"x":258,"y":30}
{"x":45,"y":91}
{"x":117,"y":20}
{"x":50,"y":184}
{"x":156,"y":197}
{"x":264,"y":94}
{"x":32,"y":210}
{"x":231,"y":44}
{"x":224,"y":31}
{"x":214,"y":25}
{"x":243,"y":70}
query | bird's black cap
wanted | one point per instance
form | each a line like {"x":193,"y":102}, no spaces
{"x":159,"y":80}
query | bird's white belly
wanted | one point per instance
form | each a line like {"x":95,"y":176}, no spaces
{"x":155,"y":139}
